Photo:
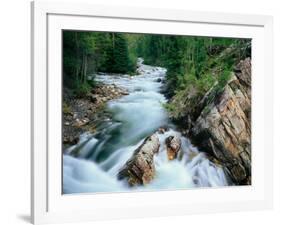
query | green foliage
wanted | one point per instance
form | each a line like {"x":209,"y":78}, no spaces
{"x":206,"y":109}
{"x":224,"y":77}
{"x":206,"y":82}
{"x":195,"y":66}
{"x":196,"y":61}
{"x":193,"y":63}
{"x":82,"y":90}
{"x":120,"y":54}
{"x":86,"y":53}
{"x":66,"y":108}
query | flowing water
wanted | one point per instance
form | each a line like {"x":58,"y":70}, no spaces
{"x":134,"y":117}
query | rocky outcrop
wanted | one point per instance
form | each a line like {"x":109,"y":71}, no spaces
{"x":140,"y":168}
{"x":223,"y":127}
{"x":173,"y":145}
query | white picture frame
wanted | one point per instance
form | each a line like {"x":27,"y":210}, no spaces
{"x":48,"y":204}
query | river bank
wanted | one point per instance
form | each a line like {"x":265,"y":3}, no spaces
{"x":84,"y":114}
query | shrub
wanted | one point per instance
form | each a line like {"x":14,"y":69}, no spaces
{"x":66,"y":108}
{"x":82,"y":89}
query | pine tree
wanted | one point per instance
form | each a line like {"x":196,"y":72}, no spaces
{"x":120,"y":54}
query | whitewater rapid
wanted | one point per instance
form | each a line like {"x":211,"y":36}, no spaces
{"x":134,"y":117}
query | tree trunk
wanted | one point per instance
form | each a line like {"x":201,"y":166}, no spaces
{"x":85,"y":68}
{"x":113,"y":41}
{"x":77,"y":68}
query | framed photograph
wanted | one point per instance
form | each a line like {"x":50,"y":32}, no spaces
{"x":140,"y":112}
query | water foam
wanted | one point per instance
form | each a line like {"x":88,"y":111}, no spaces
{"x":136,"y":116}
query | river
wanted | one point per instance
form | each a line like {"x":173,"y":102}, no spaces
{"x":134,"y":117}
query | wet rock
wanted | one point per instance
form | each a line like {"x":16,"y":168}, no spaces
{"x":81,"y":122}
{"x":124,"y":92}
{"x":140,"y":168}
{"x":162,"y":130}
{"x":158,"y":80}
{"x":173,"y":145}
{"x":70,"y":140}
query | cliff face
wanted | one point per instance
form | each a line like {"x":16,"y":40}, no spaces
{"x":223,"y":126}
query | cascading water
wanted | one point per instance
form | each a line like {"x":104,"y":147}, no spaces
{"x":134,"y":117}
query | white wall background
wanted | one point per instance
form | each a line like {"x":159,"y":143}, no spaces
{"x":15,"y":109}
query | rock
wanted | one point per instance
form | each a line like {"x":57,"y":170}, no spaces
{"x":85,"y":120}
{"x":81,"y":122}
{"x":223,"y":128}
{"x":162,"y":130}
{"x":140,"y":168}
{"x":75,"y":115}
{"x":158,"y":80}
{"x":124,"y":92}
{"x":103,"y":99}
{"x":94,"y":99}
{"x":173,"y":145}
{"x":70,"y":140}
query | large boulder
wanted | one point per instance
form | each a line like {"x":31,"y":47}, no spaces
{"x":223,"y":128}
{"x":140,"y":168}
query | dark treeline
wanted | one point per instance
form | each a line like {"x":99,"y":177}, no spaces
{"x":199,"y":62}
{"x":85,"y":53}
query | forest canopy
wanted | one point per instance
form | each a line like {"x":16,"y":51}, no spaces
{"x":196,"y":61}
